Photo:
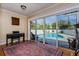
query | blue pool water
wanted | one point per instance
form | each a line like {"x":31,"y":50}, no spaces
{"x":51,"y":36}
{"x":50,"y":39}
{"x":54,"y":35}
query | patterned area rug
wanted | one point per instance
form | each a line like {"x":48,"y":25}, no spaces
{"x":31,"y":49}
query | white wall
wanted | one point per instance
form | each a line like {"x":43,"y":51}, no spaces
{"x":6,"y":27}
{"x":0,"y":23}
{"x":53,"y":10}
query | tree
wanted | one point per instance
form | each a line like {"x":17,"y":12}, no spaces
{"x":33,"y":25}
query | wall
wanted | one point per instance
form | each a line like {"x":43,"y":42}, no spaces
{"x":0,"y":23}
{"x":6,"y":27}
{"x":53,"y":10}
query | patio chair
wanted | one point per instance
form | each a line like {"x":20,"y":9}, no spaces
{"x":32,"y":36}
{"x":76,"y":52}
{"x":72,"y":43}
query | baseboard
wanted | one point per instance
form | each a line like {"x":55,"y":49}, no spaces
{"x":2,"y":42}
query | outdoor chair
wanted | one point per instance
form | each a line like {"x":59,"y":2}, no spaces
{"x":32,"y":36}
{"x":72,"y":43}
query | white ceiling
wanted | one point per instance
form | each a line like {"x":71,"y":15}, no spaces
{"x":31,"y":7}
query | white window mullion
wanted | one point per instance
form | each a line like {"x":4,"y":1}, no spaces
{"x":56,"y":31}
{"x":44,"y":30}
{"x":36,"y":31}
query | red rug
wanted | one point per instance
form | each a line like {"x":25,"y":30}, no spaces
{"x":31,"y":49}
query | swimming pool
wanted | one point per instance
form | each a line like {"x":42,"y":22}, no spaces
{"x":51,"y":36}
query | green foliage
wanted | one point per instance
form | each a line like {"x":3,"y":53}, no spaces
{"x":61,"y":24}
{"x":33,"y":25}
{"x":40,"y":26}
{"x":64,"y":25}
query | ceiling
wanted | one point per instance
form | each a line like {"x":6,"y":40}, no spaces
{"x":31,"y":7}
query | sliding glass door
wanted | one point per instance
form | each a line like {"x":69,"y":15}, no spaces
{"x":72,"y":27}
{"x":54,"y":30}
{"x":50,"y":30}
{"x":62,"y":27}
{"x":32,"y":29}
{"x":66,"y":29}
{"x":40,"y":30}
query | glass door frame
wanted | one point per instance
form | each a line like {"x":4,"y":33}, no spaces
{"x":44,"y":21}
{"x":44,"y":28}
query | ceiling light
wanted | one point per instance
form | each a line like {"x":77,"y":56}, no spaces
{"x":23,"y":7}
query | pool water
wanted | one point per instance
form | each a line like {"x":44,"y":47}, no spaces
{"x":51,"y":36}
{"x":54,"y":35}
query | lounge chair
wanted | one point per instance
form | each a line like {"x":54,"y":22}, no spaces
{"x":72,"y":43}
{"x":32,"y":36}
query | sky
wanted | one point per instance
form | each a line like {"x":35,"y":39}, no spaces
{"x":52,"y":19}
